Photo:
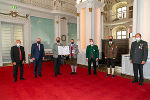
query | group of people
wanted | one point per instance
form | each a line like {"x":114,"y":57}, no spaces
{"x":138,"y":56}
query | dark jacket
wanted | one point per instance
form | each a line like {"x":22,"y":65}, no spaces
{"x":15,"y":54}
{"x":139,"y":52}
{"x":92,"y":49}
{"x":110,"y":50}
{"x":36,"y":53}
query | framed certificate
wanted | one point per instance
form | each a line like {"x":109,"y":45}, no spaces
{"x":63,"y":50}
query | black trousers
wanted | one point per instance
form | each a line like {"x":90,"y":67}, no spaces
{"x":39,"y":64}
{"x":15,"y":69}
{"x":111,"y":62}
{"x":89,"y":66}
{"x":57,"y":63}
{"x":136,"y":68}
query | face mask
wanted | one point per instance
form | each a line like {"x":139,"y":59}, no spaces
{"x":72,"y":42}
{"x":58,"y":41}
{"x":91,"y":43}
{"x":18,"y":44}
{"x":38,"y":42}
{"x":110,"y":39}
{"x":138,"y":39}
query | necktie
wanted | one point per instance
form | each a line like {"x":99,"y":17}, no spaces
{"x":39,"y":47}
{"x":20,"y":53}
{"x":92,"y":54}
{"x":110,"y":43}
{"x":71,"y":51}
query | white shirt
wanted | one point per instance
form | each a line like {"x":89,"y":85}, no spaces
{"x":39,"y":46}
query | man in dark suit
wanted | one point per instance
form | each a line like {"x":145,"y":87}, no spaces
{"x":92,"y":55}
{"x":138,"y":56}
{"x":18,"y":59}
{"x":37,"y":54}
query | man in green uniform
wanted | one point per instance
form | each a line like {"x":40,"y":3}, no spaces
{"x":92,"y":55}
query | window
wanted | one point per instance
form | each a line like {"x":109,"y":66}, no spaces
{"x":131,"y":12}
{"x":10,"y":33}
{"x":122,"y":34}
{"x":121,"y":12}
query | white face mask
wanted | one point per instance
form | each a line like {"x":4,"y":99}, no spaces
{"x":138,"y":39}
{"x":91,"y":43}
{"x":18,"y":44}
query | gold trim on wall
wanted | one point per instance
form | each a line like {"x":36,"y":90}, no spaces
{"x":102,"y":13}
{"x":78,"y":14}
{"x":57,"y":22}
{"x":90,"y":9}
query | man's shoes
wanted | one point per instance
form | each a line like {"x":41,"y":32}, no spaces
{"x":72,"y":73}
{"x":141,"y":83}
{"x":113,"y":76}
{"x":94,"y":73}
{"x":59,"y":74}
{"x":40,"y":75}
{"x":107,"y":75}
{"x":134,"y":81}
{"x":75,"y":73}
{"x":15,"y":80}
{"x":55,"y":75}
{"x":21,"y":78}
{"x":35,"y":76}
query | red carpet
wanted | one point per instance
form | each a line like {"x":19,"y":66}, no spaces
{"x":68,"y":87}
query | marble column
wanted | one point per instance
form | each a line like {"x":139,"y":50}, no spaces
{"x":0,"y":47}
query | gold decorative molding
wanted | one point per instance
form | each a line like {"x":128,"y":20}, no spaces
{"x":57,"y":22}
{"x":78,"y":14}
{"x":15,"y":14}
{"x":90,"y":9}
{"x":63,"y":18}
{"x":102,"y":13}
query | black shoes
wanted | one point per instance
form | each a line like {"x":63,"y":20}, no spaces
{"x":134,"y":81}
{"x":107,"y":75}
{"x":72,"y":73}
{"x":59,"y":74}
{"x":15,"y":80}
{"x":21,"y":78}
{"x":113,"y":76}
{"x":35,"y":76}
{"x":141,"y":83}
{"x":40,"y":75}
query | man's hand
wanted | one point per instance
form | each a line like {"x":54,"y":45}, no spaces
{"x":130,"y":61}
{"x":114,"y":58}
{"x":143,"y":62}
{"x":33,"y":58}
{"x":23,"y":62}
{"x":43,"y":58}
{"x":14,"y":63}
{"x":87,"y":59}
{"x":96,"y":59}
{"x":105,"y":57}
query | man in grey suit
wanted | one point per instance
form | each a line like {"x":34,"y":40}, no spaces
{"x":73,"y":56}
{"x":138,"y":56}
{"x":57,"y":57}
